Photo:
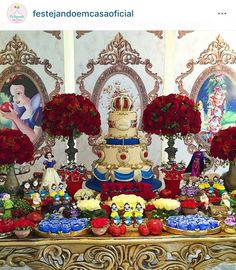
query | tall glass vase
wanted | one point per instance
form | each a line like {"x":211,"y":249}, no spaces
{"x":230,"y":177}
{"x":71,"y":150}
{"x":11,"y":185}
{"x":171,"y":150}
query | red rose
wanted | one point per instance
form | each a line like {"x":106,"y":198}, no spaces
{"x":189,"y":203}
{"x":99,"y":222}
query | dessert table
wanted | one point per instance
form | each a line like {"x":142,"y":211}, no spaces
{"x":122,"y":253}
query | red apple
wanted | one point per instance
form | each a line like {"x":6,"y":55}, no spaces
{"x":34,"y":216}
{"x":110,"y":229}
{"x":5,"y":107}
{"x":155,"y":226}
{"x":165,"y":193}
{"x":122,"y":229}
{"x":116,"y":231}
{"x":143,"y":230}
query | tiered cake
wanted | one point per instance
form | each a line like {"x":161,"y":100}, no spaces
{"x":123,"y":152}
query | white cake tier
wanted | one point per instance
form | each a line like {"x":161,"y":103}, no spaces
{"x":122,"y":174}
{"x":122,"y":155}
{"x":122,"y":124}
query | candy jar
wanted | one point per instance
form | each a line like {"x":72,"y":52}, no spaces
{"x":114,"y":214}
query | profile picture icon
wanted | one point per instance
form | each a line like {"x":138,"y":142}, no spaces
{"x":16,"y":13}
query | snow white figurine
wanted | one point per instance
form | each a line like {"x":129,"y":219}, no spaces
{"x":50,"y":175}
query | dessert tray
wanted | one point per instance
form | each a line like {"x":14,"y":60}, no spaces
{"x":192,"y":225}
{"x":5,"y":235}
{"x":196,"y":232}
{"x":62,"y":235}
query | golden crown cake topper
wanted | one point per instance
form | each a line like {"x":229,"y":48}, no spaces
{"x":122,"y":102}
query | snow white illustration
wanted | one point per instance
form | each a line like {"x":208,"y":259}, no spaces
{"x":25,"y":112}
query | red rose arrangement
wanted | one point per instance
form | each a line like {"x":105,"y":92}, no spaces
{"x":70,"y":114}
{"x":15,"y":147}
{"x":223,"y":145}
{"x":24,"y":224}
{"x":7,"y":225}
{"x":189,"y":203}
{"x":109,"y":190}
{"x":99,"y":222}
{"x":172,"y":115}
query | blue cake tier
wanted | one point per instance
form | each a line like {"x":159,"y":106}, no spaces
{"x":128,"y":141}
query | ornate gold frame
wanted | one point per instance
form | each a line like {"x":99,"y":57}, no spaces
{"x":197,"y":85}
{"x":218,"y":55}
{"x":182,"y":33}
{"x":124,"y":253}
{"x":56,"y":34}
{"x":119,"y":54}
{"x":17,"y":55}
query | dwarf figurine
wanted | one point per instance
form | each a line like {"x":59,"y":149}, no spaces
{"x":114,"y":214}
{"x":44,"y":192}
{"x":53,"y":191}
{"x":138,"y":213}
{"x":35,"y":186}
{"x":74,"y":210}
{"x":36,"y":201}
{"x":27,"y":190}
{"x":61,"y":190}
{"x":128,"y":214}
{"x":204,"y":199}
{"x":66,"y":198}
{"x":225,"y":200}
{"x":7,"y":205}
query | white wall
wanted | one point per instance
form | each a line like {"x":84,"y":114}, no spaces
{"x":69,"y":57}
